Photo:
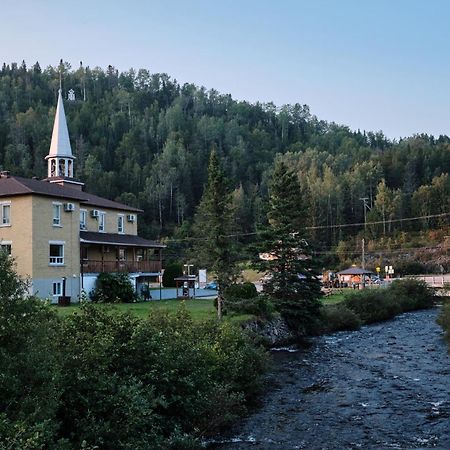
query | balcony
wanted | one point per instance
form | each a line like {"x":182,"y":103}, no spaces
{"x":89,"y":266}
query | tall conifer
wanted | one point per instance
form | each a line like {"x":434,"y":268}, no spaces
{"x":214,"y":248}
{"x":287,"y":256}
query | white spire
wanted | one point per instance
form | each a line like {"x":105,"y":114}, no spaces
{"x":60,"y":145}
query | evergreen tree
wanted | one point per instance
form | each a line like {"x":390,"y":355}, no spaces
{"x":213,"y":224}
{"x":287,"y":256}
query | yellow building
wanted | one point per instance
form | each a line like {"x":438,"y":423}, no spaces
{"x":62,"y":237}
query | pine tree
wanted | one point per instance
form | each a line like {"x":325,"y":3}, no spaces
{"x":287,"y":256}
{"x":213,"y":224}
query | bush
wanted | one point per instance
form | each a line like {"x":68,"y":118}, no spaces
{"x":98,"y":379}
{"x":151,"y":383}
{"x":261,"y":306}
{"x":339,"y":318}
{"x":243,"y":298}
{"x":29,"y":365}
{"x":412,"y":294}
{"x":372,"y":305}
{"x":113,"y":288}
{"x":170,"y":273}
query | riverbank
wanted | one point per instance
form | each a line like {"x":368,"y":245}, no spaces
{"x":384,"y":386}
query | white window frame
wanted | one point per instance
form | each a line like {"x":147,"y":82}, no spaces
{"x":102,"y":222}
{"x":2,"y":208}
{"x":57,"y":288}
{"x":56,"y":260}
{"x":57,"y":207}
{"x":83,"y":224}
{"x":121,"y":223}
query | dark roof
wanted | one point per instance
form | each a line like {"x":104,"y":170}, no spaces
{"x":13,"y":185}
{"x":101,"y":202}
{"x":93,"y":237}
{"x":22,"y":186}
{"x":355,"y":271}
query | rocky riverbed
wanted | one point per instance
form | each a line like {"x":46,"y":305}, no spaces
{"x":386,"y":386}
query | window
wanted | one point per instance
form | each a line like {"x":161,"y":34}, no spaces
{"x":6,"y":214}
{"x":57,"y":214}
{"x":122,"y":254}
{"x":120,"y":223}
{"x":57,"y":288}
{"x":56,"y":257}
{"x":83,"y":219}
{"x":5,"y":247}
{"x":101,"y":222}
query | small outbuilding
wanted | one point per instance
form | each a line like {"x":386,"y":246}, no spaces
{"x":187,"y":285}
{"x":354,"y":276}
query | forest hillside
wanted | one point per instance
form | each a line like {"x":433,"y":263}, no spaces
{"x":144,"y":139}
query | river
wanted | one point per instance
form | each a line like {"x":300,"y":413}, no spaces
{"x":386,"y":386}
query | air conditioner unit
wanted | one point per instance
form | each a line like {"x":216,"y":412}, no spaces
{"x":131,"y":217}
{"x":69,"y":207}
{"x":95,"y":213}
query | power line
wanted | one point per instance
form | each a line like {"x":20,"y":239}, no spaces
{"x":317,"y":227}
{"x":378,"y":222}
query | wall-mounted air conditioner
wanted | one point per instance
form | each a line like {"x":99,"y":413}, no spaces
{"x":69,"y":207}
{"x":131,"y":217}
{"x":95,"y":213}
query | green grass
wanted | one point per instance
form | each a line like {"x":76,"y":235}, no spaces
{"x":200,"y":309}
{"x":333,"y":298}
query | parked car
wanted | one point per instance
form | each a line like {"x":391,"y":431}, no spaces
{"x":211,"y":285}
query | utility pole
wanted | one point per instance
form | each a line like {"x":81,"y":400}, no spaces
{"x":363,"y":256}
{"x":366,"y":207}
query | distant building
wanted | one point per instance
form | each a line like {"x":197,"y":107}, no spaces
{"x":62,"y":237}
{"x":354,"y":275}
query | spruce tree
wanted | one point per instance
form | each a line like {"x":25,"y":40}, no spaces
{"x":286,"y":255}
{"x":213,"y":247}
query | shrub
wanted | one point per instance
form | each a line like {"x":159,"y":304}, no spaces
{"x":136,"y":381}
{"x":339,"y":318}
{"x":412,"y":294}
{"x":170,"y":272}
{"x":261,"y":306}
{"x":372,"y":305}
{"x":29,"y":365}
{"x":113,"y":288}
{"x":244,"y":299}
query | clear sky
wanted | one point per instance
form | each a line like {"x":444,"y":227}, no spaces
{"x":369,"y":64}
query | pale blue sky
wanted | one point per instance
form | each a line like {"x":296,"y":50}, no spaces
{"x":367,"y":64}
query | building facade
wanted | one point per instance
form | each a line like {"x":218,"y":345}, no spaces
{"x":62,"y":237}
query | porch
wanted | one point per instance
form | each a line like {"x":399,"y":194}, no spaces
{"x":99,"y":266}
{"x":104,"y":252}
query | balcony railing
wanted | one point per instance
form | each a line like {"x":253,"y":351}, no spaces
{"x":89,"y":266}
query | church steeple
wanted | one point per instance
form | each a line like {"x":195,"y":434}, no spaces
{"x":60,"y":158}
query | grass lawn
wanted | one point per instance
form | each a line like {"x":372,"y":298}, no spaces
{"x":200,"y":309}
{"x":333,"y":298}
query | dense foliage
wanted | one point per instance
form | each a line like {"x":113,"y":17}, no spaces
{"x":172,"y":271}
{"x":103,"y":380}
{"x":143,"y":139}
{"x":374,"y":305}
{"x":113,"y":288}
